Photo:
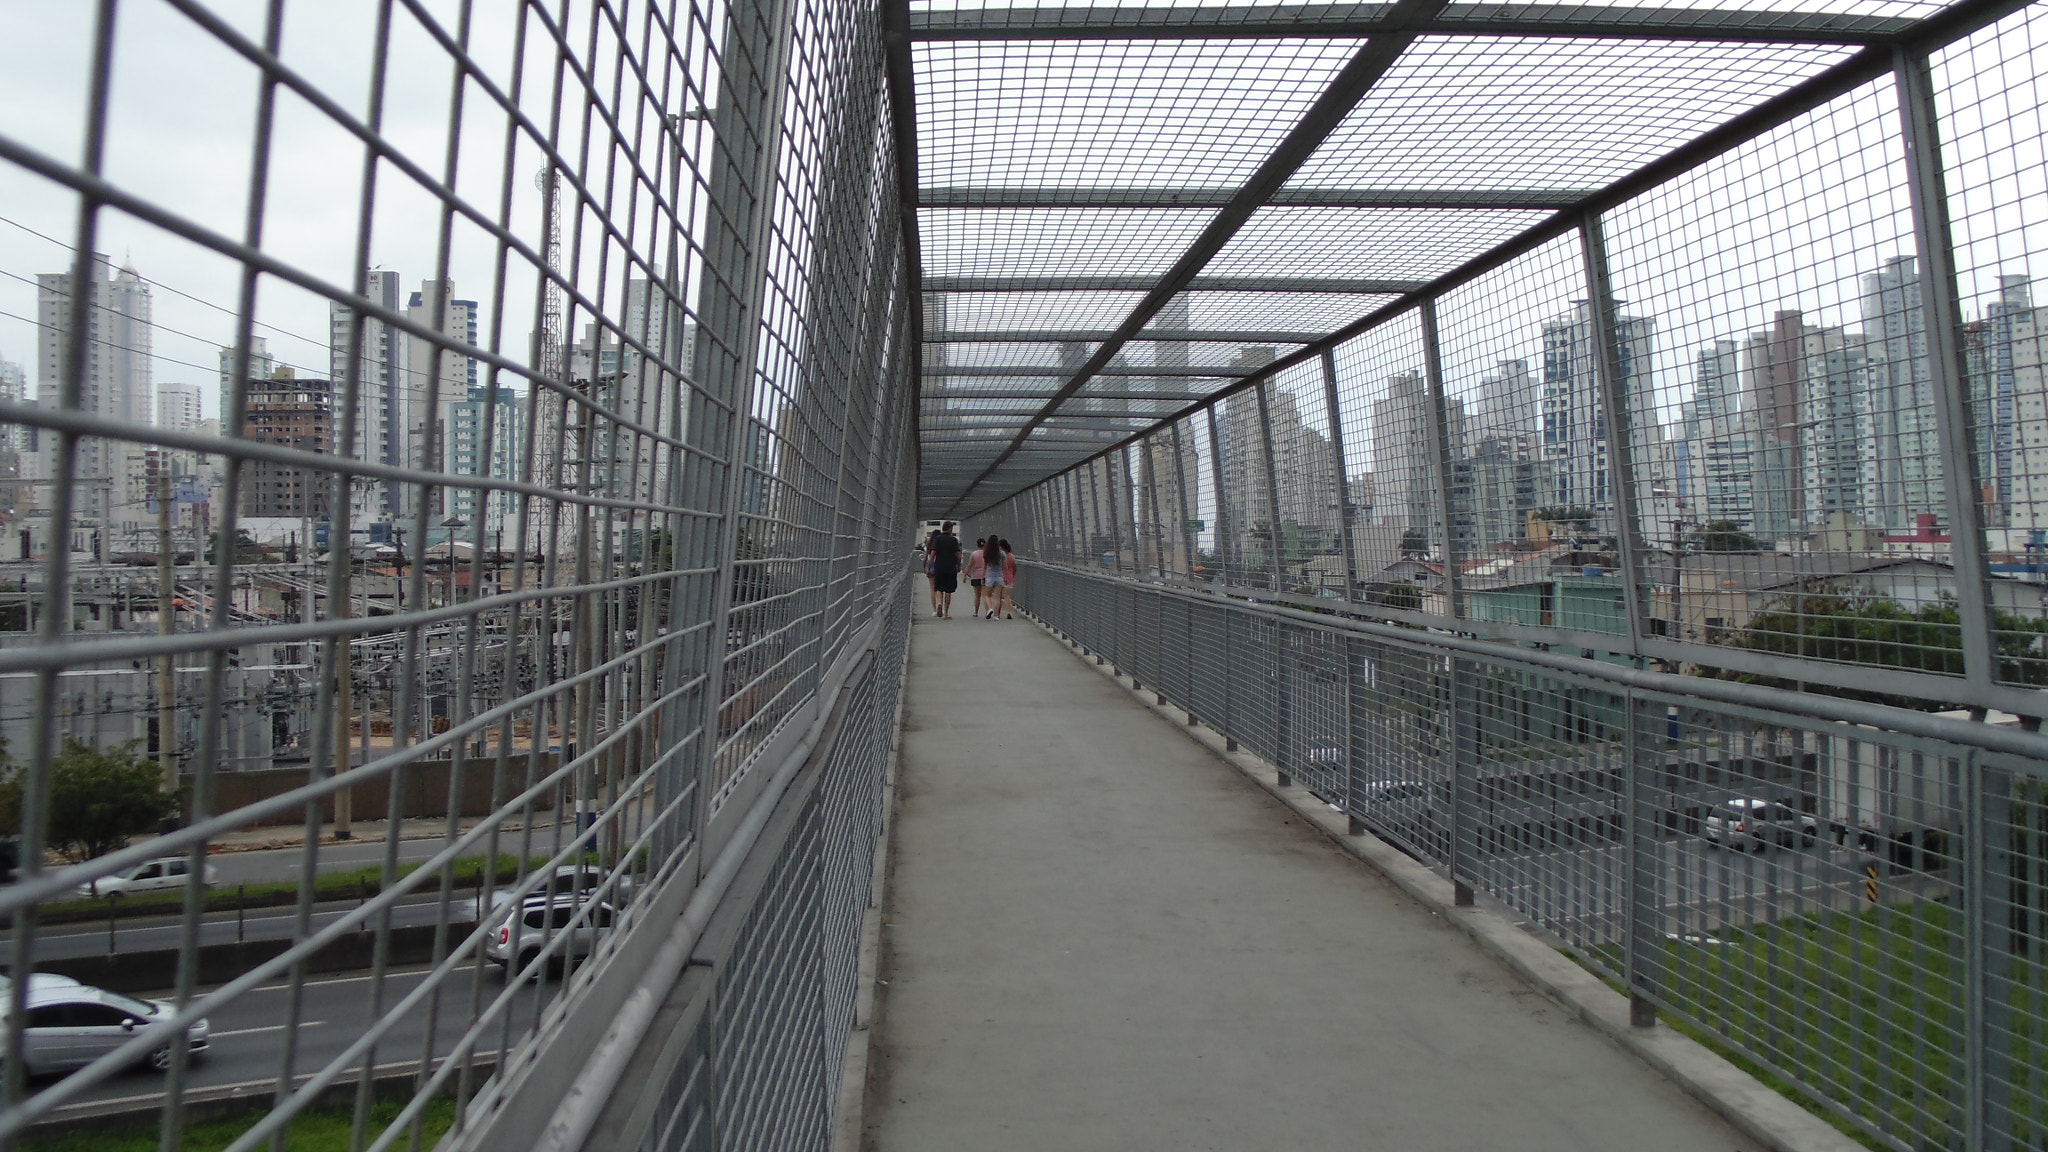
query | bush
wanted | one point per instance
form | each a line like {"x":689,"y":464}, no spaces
{"x":98,"y":799}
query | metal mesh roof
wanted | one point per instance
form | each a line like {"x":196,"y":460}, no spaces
{"x":1125,"y":210}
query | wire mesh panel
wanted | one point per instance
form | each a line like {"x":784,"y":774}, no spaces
{"x":1987,"y":94}
{"x":485,"y":457}
{"x":1853,"y":906}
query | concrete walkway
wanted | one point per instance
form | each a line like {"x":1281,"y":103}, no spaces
{"x":1100,"y":936}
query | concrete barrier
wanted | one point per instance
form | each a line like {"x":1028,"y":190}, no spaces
{"x":134,"y":972}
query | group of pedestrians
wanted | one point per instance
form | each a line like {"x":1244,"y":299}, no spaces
{"x":991,"y":570}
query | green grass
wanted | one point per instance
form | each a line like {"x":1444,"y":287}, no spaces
{"x":1867,"y":1007}
{"x":356,"y":883}
{"x":325,"y":1130}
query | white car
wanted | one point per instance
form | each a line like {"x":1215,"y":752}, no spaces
{"x":568,"y":880}
{"x":71,"y":1025}
{"x":516,"y":940}
{"x":165,"y":872}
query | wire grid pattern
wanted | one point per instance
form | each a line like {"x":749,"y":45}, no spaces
{"x":1173,"y":114}
{"x":1607,"y":108}
{"x":701,"y":477}
{"x":1989,"y":97}
{"x":1763,"y":323}
{"x":1747,"y":869}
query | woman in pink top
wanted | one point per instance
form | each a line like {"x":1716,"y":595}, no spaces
{"x":977,"y":573}
{"x":1009,"y":580}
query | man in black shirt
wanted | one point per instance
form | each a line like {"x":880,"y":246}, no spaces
{"x":945,"y":569}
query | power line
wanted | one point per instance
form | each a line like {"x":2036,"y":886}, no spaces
{"x":174,"y":291}
{"x":160,"y":327}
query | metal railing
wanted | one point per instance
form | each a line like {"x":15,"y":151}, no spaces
{"x":1851,"y":898}
{"x":567,"y":621}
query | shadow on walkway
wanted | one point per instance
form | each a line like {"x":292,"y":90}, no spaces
{"x":1099,"y":936}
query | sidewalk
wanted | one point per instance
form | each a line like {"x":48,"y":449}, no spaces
{"x":1099,"y":936}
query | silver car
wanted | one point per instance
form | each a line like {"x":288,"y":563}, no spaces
{"x":167,"y":872}
{"x":71,"y":1025}
{"x":1757,"y":824}
{"x":570,"y":925}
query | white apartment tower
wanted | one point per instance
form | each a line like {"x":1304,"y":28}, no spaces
{"x":114,"y":381}
{"x":178,"y":407}
{"x":372,"y":355}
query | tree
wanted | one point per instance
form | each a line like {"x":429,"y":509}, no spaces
{"x":247,"y":550}
{"x":1851,"y":628}
{"x":1414,"y":542}
{"x":1394,"y":595}
{"x":1727,"y":536}
{"x":98,"y":799}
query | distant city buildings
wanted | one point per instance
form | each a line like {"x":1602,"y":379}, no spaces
{"x":113,"y":382}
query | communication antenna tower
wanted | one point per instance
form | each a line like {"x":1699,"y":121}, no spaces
{"x":550,"y":363}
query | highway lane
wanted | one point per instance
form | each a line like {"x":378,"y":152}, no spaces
{"x":248,"y":1036}
{"x":273,"y":864}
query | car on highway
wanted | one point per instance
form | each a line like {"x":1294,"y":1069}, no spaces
{"x":165,"y":872}
{"x":570,"y":879}
{"x":1746,"y":822}
{"x":71,"y":1025}
{"x":569,"y":924}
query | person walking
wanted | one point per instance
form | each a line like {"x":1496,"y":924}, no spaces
{"x":931,"y":557}
{"x":991,"y":555}
{"x":976,"y":570}
{"x":1009,"y":581}
{"x":945,"y":570}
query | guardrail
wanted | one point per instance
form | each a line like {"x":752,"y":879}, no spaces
{"x":1850,"y":897}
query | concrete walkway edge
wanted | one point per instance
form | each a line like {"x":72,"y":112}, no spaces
{"x":1739,"y":1098}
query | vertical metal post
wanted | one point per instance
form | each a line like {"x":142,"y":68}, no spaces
{"x":1329,"y":359}
{"x":1464,"y":768}
{"x":1148,"y":475}
{"x":1126,"y":506}
{"x":1942,"y":316}
{"x":1614,"y":412}
{"x":1186,"y":511}
{"x":1225,"y":541}
{"x":1977,"y":871}
{"x":1354,"y":791}
{"x":1091,"y":515}
{"x":1440,"y":452}
{"x":1275,"y":542}
{"x":1645,"y":854}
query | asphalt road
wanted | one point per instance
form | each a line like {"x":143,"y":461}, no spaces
{"x":283,"y":863}
{"x":248,"y":1035}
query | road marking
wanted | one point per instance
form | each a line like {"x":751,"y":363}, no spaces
{"x":265,"y":1028}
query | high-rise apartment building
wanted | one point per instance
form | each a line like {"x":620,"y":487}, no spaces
{"x":1993,"y":388}
{"x":1403,"y":466}
{"x":297,"y":414}
{"x":178,"y":406}
{"x":113,"y":382}
{"x":1574,"y":458}
{"x":1908,"y":480}
{"x":376,"y":354}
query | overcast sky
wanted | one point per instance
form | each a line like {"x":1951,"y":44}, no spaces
{"x":1791,"y":221}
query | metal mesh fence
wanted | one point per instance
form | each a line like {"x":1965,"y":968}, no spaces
{"x":1853,"y":906}
{"x":486,"y":463}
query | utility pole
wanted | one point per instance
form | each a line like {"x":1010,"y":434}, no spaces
{"x":344,"y":705}
{"x":166,"y":624}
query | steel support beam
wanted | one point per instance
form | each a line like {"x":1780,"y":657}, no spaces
{"x":1275,"y":540}
{"x":1330,"y":404}
{"x":1614,"y":410}
{"x":1942,"y":316}
{"x":1440,"y":459}
{"x":971,"y":196}
{"x":1344,"y":20}
{"x":1331,"y":285}
{"x":1372,"y":61}
{"x":1113,"y":370}
{"x":1090,"y":336}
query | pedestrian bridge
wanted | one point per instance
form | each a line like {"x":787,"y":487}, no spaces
{"x":1531,"y":627}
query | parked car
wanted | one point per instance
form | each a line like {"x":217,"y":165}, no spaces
{"x":71,"y":1025}
{"x":1756,"y":824}
{"x":517,"y":939}
{"x":149,"y":876}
